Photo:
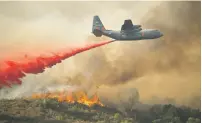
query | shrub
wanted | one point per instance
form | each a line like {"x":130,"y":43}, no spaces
{"x":59,"y":117}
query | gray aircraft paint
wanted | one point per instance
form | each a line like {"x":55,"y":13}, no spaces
{"x":128,"y":31}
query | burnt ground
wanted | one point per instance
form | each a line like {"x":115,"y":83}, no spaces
{"x":52,"y":111}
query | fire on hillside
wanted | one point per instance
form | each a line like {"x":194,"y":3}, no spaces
{"x":70,"y":97}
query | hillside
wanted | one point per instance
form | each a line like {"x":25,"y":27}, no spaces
{"x":52,"y":111}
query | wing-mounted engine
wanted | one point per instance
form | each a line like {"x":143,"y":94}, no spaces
{"x":137,"y":27}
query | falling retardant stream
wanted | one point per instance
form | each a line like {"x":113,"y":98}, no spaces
{"x":11,"y":72}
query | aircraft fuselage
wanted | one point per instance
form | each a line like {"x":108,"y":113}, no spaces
{"x":133,"y":35}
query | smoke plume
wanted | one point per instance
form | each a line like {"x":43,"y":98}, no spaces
{"x":166,"y":70}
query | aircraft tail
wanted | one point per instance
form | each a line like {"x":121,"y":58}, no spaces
{"x":98,"y":27}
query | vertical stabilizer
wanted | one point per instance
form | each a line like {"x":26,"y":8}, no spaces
{"x":98,"y":27}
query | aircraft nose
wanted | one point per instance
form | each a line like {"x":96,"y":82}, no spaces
{"x":161,"y":34}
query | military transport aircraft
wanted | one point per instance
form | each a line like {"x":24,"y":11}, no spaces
{"x":128,"y":31}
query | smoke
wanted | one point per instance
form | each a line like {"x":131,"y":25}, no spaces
{"x":176,"y":59}
{"x":160,"y":70}
{"x":12,"y":71}
{"x":167,"y":68}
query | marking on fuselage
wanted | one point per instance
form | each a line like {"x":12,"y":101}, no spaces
{"x":142,"y":33}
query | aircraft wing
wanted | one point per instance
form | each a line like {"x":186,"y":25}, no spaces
{"x":128,"y":26}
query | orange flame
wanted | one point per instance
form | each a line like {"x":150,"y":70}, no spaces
{"x":70,"y":97}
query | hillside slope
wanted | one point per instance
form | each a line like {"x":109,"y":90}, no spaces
{"x":52,"y":111}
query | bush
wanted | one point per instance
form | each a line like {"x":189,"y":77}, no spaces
{"x":117,"y":117}
{"x":74,"y":108}
{"x":128,"y":120}
{"x":157,"y":121}
{"x":59,"y":117}
{"x":193,"y":120}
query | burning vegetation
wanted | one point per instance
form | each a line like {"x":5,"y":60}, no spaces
{"x":70,"y":97}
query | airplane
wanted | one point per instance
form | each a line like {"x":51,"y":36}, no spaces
{"x":128,"y":31}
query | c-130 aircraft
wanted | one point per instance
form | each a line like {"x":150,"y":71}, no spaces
{"x":128,"y":31}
